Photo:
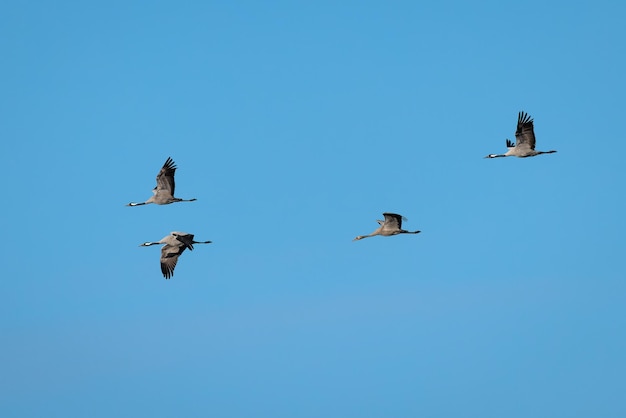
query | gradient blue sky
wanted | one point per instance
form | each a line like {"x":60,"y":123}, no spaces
{"x":295,"y":125}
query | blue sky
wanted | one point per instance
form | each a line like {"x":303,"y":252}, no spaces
{"x":295,"y":125}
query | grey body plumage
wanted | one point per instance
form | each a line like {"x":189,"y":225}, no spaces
{"x":175,"y":244}
{"x":392,"y":225}
{"x":524,"y":140}
{"x":163,"y":193}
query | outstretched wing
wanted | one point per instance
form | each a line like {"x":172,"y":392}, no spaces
{"x":186,"y":239}
{"x":169,"y":258}
{"x":165,"y":178}
{"x":393,"y":221}
{"x":525,"y":133}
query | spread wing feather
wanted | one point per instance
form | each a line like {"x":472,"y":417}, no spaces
{"x":169,"y":258}
{"x":185,"y":239}
{"x":525,"y":133}
{"x":393,"y":221}
{"x":165,"y":178}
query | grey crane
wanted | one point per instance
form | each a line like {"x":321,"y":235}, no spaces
{"x":175,"y":244}
{"x":524,"y":140}
{"x":164,"y":190}
{"x":392,"y":225}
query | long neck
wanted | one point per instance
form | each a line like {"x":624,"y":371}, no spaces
{"x":377,"y":232}
{"x":147,"y":244}
{"x":151,"y":200}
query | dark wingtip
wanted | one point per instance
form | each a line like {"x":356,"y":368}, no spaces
{"x":169,"y":164}
{"x":167,"y":273}
{"x":524,"y":118}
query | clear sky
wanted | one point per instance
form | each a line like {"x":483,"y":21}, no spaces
{"x":295,"y":125}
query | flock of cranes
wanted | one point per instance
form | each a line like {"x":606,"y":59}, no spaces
{"x":176,"y":243}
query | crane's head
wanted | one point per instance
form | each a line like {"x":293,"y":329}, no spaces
{"x":358,"y":238}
